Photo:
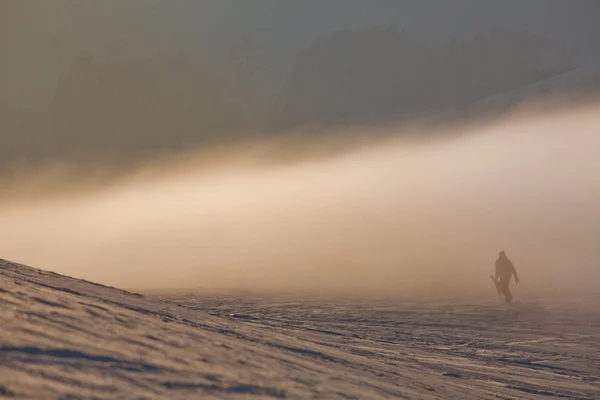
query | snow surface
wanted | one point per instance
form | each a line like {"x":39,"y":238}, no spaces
{"x":63,"y":338}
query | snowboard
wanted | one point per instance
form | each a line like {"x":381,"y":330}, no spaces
{"x":497,"y":284}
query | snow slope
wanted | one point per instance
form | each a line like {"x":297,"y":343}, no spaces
{"x":63,"y":338}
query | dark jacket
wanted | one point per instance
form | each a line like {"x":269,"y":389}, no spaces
{"x":505,"y":269}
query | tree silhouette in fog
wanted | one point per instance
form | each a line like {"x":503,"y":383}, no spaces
{"x":128,"y":109}
{"x":384,"y":73}
{"x":118,"y":110}
{"x":23,"y":138}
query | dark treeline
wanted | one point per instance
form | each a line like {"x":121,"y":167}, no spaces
{"x":24,"y":138}
{"x":385,"y":74}
{"x":115,"y":110}
{"x":122,"y":111}
{"x":146,"y":106}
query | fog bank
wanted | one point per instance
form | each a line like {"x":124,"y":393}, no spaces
{"x":405,"y":216}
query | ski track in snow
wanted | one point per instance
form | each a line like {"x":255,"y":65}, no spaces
{"x":63,"y":338}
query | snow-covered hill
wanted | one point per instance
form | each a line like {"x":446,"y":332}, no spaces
{"x":63,"y":338}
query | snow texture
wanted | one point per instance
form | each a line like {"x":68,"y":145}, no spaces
{"x":63,"y":338}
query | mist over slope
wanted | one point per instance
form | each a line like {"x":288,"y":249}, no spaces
{"x":162,"y":147}
{"x":402,"y":216}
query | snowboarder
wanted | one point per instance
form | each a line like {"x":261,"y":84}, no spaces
{"x":504,"y":271}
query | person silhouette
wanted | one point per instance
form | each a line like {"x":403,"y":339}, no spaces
{"x":504,"y":272}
